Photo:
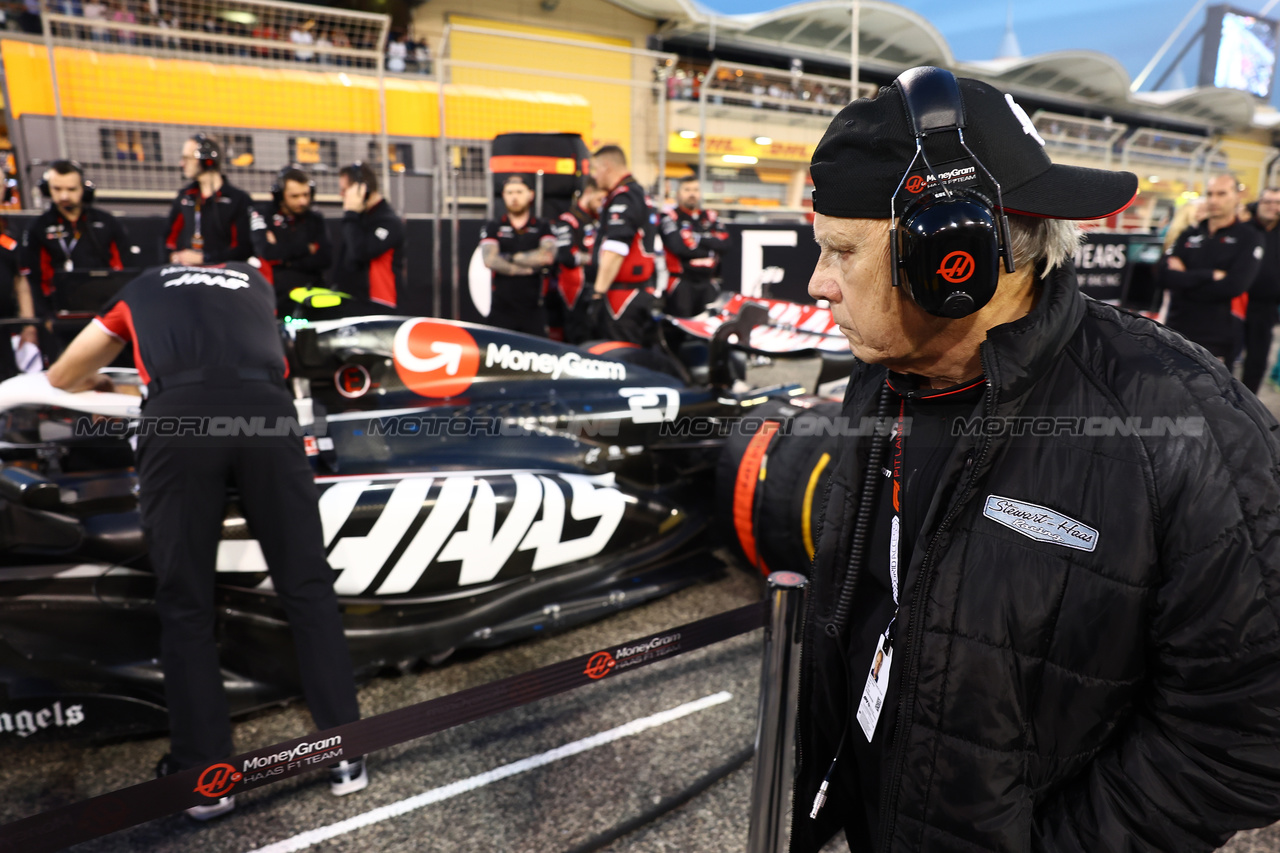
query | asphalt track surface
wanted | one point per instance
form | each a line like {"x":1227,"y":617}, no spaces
{"x":550,"y":777}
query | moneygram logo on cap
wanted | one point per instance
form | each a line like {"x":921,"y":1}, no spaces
{"x":435,"y":359}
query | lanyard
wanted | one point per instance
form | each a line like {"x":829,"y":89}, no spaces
{"x":67,"y":264}
{"x":895,"y":526}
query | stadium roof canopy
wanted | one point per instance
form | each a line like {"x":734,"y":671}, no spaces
{"x":894,"y":38}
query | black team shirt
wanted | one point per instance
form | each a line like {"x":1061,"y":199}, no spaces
{"x":928,"y":441}
{"x":217,"y":225}
{"x":517,"y":292}
{"x":96,"y":240}
{"x":184,"y":318}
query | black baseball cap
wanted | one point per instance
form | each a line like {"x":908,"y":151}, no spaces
{"x":861,"y":159}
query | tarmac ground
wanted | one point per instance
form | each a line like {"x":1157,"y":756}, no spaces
{"x":554,"y":776}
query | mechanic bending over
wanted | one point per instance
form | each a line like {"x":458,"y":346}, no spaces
{"x":1062,"y":641}
{"x":516,"y":248}
{"x":206,"y":344}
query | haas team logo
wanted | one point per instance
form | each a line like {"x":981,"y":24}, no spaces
{"x":435,"y":359}
{"x":600,"y":665}
{"x":915,"y":184}
{"x":217,"y":780}
{"x":956,"y":267}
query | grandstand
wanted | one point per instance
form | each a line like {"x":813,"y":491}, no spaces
{"x":741,"y":99}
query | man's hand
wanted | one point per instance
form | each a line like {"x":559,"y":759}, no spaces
{"x":313,"y":247}
{"x":1175,"y":263}
{"x":29,"y":335}
{"x":271,"y":238}
{"x":353,"y":198}
{"x":187,"y":257}
{"x":1219,"y":275}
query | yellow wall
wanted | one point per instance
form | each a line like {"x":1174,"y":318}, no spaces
{"x":142,"y":89}
{"x":611,"y":102}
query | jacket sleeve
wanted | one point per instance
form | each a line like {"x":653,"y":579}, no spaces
{"x":240,"y":231}
{"x":1200,"y":756}
{"x":173,"y":231}
{"x":360,"y":246}
{"x":1200,"y":286}
{"x":262,"y":247}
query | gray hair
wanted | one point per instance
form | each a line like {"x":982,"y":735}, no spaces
{"x":1035,"y":239}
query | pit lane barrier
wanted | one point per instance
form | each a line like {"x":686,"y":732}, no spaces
{"x":779,"y":614}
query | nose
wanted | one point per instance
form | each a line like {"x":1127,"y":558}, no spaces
{"x":823,"y":284}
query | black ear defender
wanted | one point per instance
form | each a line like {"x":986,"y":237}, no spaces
{"x":63,"y":167}
{"x":948,"y":242}
{"x":291,"y":173}
{"x":208,"y":153}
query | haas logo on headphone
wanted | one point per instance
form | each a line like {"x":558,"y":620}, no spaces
{"x":915,"y":184}
{"x":956,"y":267}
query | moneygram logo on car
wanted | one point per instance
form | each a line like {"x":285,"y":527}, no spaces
{"x":435,"y":359}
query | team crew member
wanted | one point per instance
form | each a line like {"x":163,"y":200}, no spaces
{"x":1209,"y":270}
{"x":694,"y":242}
{"x":209,"y":220}
{"x":290,"y":237}
{"x":1018,"y":639}
{"x":71,"y":234}
{"x":623,"y":252}
{"x":206,"y":344}
{"x":368,"y":263}
{"x":516,"y":248}
{"x":1264,"y":296}
{"x":575,"y":232}
{"x":15,"y":301}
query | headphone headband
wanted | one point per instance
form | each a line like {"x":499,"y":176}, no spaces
{"x":932,"y":100}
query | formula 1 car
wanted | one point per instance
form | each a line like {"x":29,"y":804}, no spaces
{"x":475,"y":486}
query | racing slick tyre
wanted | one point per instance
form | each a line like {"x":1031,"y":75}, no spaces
{"x":772,"y":481}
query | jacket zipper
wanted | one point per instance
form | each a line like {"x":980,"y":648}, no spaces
{"x":889,"y":789}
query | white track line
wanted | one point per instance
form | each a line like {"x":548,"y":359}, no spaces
{"x":435,"y":795}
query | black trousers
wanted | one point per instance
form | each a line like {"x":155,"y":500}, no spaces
{"x":1259,"y":321}
{"x":182,"y":496}
{"x":624,"y":314}
{"x":518,"y":307}
{"x":687,"y":296}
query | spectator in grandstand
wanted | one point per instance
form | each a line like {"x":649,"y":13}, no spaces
{"x":397,"y":52}
{"x":71,"y":234}
{"x":1263,"y":310}
{"x":209,"y":220}
{"x":301,"y":35}
{"x":290,"y":238}
{"x":323,"y":41}
{"x":207,"y":346}
{"x":622,"y":301}
{"x":29,"y":20}
{"x":575,"y":232}
{"x":339,"y":37}
{"x":420,"y":51}
{"x":694,"y":243}
{"x":1079,"y":627}
{"x":122,"y":13}
{"x":1209,"y":270}
{"x":516,"y":248}
{"x":95,"y":12}
{"x":367,"y":263}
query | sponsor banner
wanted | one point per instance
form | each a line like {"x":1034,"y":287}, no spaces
{"x":720,"y":145}
{"x":88,"y":819}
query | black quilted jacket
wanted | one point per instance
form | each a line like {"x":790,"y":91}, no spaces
{"x":1054,"y":698}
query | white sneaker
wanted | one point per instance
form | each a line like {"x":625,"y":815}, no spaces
{"x":212,"y":810}
{"x":347,"y":777}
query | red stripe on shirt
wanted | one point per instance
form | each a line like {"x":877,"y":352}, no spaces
{"x":175,"y":233}
{"x":119,"y":322}
{"x":382,"y":279}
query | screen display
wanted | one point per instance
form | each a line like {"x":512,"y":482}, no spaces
{"x":1244,"y":56}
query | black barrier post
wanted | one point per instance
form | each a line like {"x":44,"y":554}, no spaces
{"x":779,"y":689}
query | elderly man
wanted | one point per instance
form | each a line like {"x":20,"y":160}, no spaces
{"x":1045,"y":607}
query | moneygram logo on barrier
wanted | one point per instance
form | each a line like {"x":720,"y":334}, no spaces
{"x":603,"y":663}
{"x":217,"y":781}
{"x":435,"y":359}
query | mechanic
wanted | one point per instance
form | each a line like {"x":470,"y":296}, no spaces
{"x":368,"y":261}
{"x":1209,"y":270}
{"x":207,"y":346}
{"x":516,"y":248}
{"x":290,"y":238}
{"x":624,"y":253}
{"x":694,"y":242}
{"x":70,"y":235}
{"x":1078,"y":628}
{"x":209,"y":220}
{"x":575,"y":232}
{"x":15,"y":303}
{"x":1264,"y":294}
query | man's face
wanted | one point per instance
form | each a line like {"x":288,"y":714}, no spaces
{"x":297,"y":198}
{"x":517,"y":198}
{"x":1222,"y":198}
{"x":689,"y":195}
{"x":1269,"y":206}
{"x":606,"y":172}
{"x":190,"y":165}
{"x":592,"y":200}
{"x":880,"y":321}
{"x":67,"y":192}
